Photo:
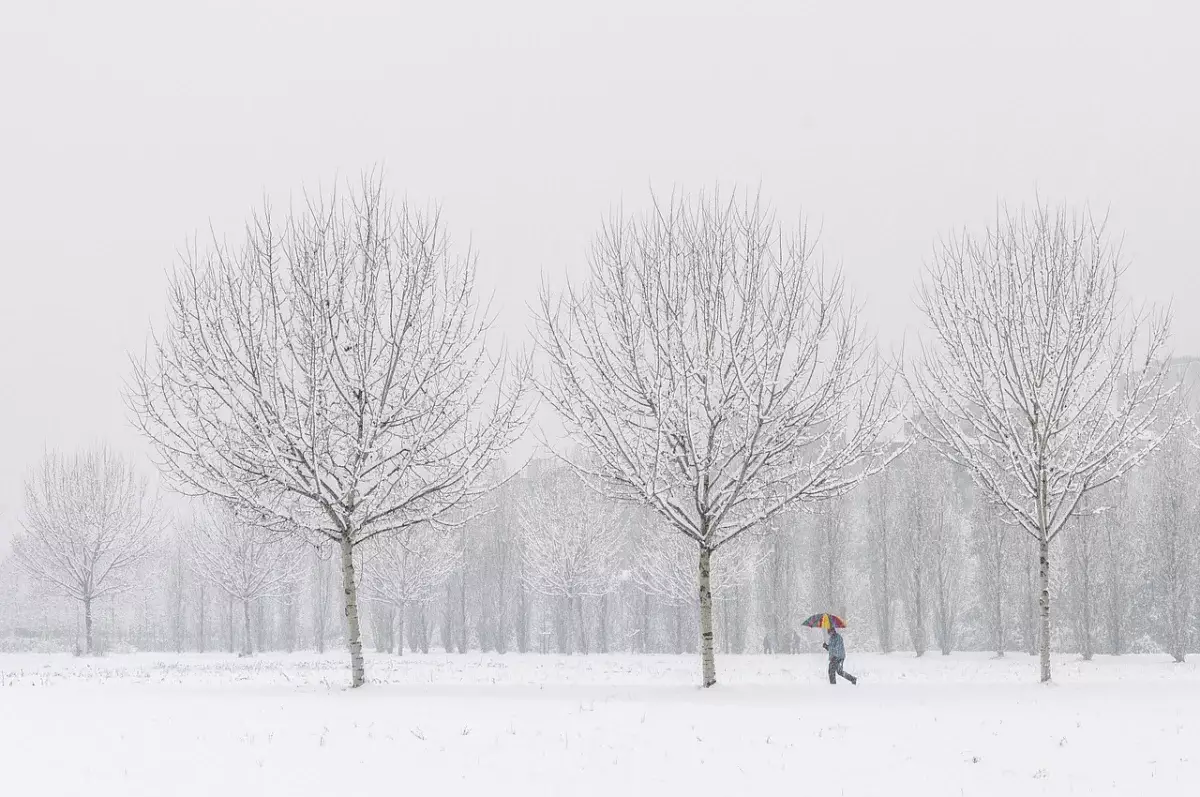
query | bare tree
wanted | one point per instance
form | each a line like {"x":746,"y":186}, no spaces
{"x":779,"y":591}
{"x":829,"y":557}
{"x":1082,"y":565}
{"x":924,"y":506}
{"x":947,"y":568}
{"x":1174,"y":544}
{"x":1034,"y":381}
{"x":881,"y":538}
{"x":1116,"y":549}
{"x":664,"y":568}
{"x":992,"y":547}
{"x":321,"y":594}
{"x":410,"y":568}
{"x":89,"y":524}
{"x":331,"y":376}
{"x":571,"y":547}
{"x":712,"y":373}
{"x":247,"y":563}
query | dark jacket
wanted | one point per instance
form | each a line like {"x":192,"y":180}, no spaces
{"x":837,"y":648}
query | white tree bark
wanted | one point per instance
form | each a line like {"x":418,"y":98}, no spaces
{"x":358,"y":672}
{"x":1034,"y":381}
{"x":712,"y":373}
{"x":331,"y":377}
{"x":706,"y":619}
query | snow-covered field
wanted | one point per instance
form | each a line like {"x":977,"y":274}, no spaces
{"x":605,"y":725}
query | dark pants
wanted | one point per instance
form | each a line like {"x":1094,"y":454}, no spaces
{"x":835,"y":669}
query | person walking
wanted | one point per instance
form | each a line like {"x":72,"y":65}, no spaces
{"x":837,"y":656}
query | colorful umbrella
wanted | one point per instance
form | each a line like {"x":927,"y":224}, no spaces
{"x":824,"y":620}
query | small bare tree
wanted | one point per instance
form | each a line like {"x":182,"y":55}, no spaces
{"x":410,"y":568}
{"x":247,"y":563}
{"x":1117,"y":550}
{"x":923,"y":500}
{"x":1034,"y":381}
{"x":89,"y":524}
{"x":331,"y":376}
{"x":664,"y":568}
{"x":322,"y":589}
{"x":1174,"y":543}
{"x":992,"y":547}
{"x":711,"y":372}
{"x":881,"y":543}
{"x":1082,"y":566}
{"x":572,"y":542}
{"x":947,"y":566}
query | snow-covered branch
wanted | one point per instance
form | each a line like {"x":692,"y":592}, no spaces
{"x":89,"y":523}
{"x":1037,"y":379}
{"x":712,"y":371}
{"x":331,"y":375}
{"x":245,"y":562}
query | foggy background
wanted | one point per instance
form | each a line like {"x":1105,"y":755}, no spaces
{"x":127,"y":127}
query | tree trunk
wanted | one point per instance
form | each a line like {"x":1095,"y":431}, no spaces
{"x":399,"y":610}
{"x":726,"y":635}
{"x":1116,"y":595}
{"x":647,"y":620}
{"x":996,"y":569}
{"x":463,"y":641}
{"x":522,"y":620}
{"x":918,"y":616}
{"x":502,"y":601}
{"x":885,"y":612}
{"x":739,"y":626}
{"x":383,"y":623}
{"x":261,"y":636}
{"x":358,"y":674}
{"x":603,"y":638}
{"x":289,"y":606}
{"x":1032,"y":607}
{"x":562,"y":626}
{"x":201,"y":640}
{"x":776,"y":592}
{"x":246,"y":648}
{"x":1044,"y":605}
{"x":426,"y":630}
{"x":998,"y":608}
{"x":448,"y":624}
{"x":1088,"y":647}
{"x":87,"y":625}
{"x":232,"y":623}
{"x":707,"y":662}
{"x":582,"y":620}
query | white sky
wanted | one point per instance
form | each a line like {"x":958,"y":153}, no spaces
{"x":126,"y":127}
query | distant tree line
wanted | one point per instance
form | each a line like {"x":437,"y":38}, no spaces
{"x":738,"y":455}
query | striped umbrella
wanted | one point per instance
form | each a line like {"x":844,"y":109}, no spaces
{"x":824,"y":620}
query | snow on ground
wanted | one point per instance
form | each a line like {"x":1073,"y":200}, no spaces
{"x":598,"y":725}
